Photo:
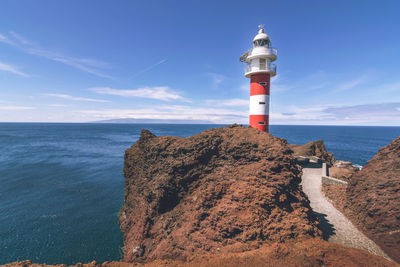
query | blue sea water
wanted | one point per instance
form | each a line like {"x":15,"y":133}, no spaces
{"x":61,"y":185}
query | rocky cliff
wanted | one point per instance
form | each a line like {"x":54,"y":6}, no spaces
{"x":314,"y":148}
{"x":229,"y":189}
{"x":224,"y":197}
{"x":373,"y":199}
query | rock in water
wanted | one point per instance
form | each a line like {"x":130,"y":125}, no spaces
{"x":228,"y":189}
{"x":373,"y":199}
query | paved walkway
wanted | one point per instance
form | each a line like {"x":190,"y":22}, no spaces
{"x":335,"y":226}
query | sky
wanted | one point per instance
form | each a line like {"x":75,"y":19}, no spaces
{"x":82,"y":61}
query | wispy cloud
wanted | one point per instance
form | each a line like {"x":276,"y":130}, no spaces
{"x":347,"y":85}
{"x":15,"y":108}
{"x":314,"y":80}
{"x":389,"y":87}
{"x":73,"y":98}
{"x":12,"y":69}
{"x":234,"y":102}
{"x":58,"y":105}
{"x":319,"y":80}
{"x":159,"y":92}
{"x":19,"y":38}
{"x":149,"y":68}
{"x":366,"y":114}
{"x":4,"y":39}
{"x":366,"y":111}
{"x":87,"y":65}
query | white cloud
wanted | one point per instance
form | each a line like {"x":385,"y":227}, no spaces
{"x":171,"y":113}
{"x":87,"y":65}
{"x":228,"y":102}
{"x":12,"y":69}
{"x":159,"y":92}
{"x":15,"y":108}
{"x":73,"y":98}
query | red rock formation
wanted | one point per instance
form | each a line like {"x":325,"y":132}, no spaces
{"x":343,"y":172}
{"x":224,"y":197}
{"x":314,"y":148}
{"x":229,"y":189}
{"x":373,"y":199}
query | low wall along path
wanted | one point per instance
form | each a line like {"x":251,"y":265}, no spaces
{"x":335,"y":226}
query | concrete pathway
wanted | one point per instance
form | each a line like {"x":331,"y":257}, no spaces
{"x":335,"y":226}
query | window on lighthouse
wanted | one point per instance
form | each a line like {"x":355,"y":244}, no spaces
{"x":263,"y":63}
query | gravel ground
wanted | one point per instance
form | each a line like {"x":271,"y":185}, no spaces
{"x":335,"y":226}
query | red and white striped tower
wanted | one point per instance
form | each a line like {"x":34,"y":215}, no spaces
{"x":260,"y":70}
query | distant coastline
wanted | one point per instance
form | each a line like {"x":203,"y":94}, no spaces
{"x":155,"y":121}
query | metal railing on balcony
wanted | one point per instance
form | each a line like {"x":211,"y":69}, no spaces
{"x":262,"y":67}
{"x":273,"y":68}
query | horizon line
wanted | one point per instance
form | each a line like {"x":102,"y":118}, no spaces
{"x":102,"y":122}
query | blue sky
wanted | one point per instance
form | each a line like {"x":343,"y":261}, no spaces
{"x":79,"y":61}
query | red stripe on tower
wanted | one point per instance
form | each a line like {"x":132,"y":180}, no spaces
{"x":259,"y":101}
{"x":260,"y":70}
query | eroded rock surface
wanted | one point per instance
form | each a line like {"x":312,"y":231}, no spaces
{"x":228,"y":189}
{"x":314,"y":148}
{"x":373,"y":199}
{"x":342,"y":170}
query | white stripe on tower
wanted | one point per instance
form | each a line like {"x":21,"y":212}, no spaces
{"x":259,"y":105}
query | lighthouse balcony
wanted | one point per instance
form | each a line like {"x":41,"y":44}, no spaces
{"x":267,"y":68}
{"x":263,"y":51}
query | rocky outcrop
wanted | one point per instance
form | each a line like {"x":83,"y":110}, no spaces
{"x":343,"y":170}
{"x":373,"y":199}
{"x":224,"y":190}
{"x":314,"y":148}
{"x":224,"y":197}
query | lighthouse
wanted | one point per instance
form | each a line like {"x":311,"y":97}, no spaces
{"x":259,"y":69}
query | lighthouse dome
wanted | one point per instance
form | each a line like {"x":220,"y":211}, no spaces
{"x":261,"y":36}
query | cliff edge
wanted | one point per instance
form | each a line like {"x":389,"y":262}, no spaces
{"x":228,"y":189}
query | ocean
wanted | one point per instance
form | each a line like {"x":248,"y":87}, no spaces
{"x":61,"y":184}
